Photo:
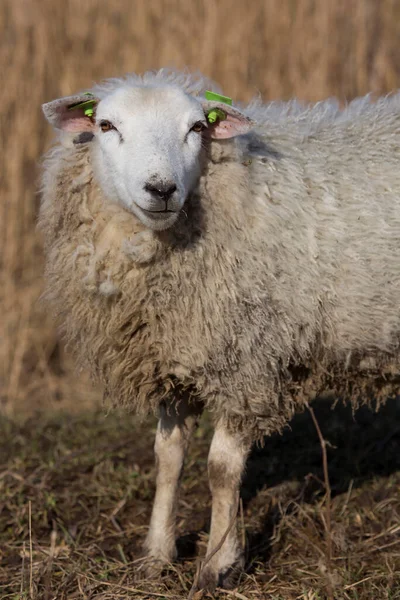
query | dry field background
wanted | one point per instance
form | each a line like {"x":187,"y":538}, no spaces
{"x":89,"y":494}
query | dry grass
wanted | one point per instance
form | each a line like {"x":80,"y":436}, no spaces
{"x":308,"y":48}
{"x":89,"y":480}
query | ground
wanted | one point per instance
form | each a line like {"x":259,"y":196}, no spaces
{"x":76,"y":494}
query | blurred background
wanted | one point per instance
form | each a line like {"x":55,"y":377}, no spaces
{"x":279,"y":48}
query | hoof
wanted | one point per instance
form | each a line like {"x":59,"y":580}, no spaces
{"x":226,"y":578}
{"x":150,"y":568}
{"x":208,"y":579}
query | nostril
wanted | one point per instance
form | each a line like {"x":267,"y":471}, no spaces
{"x":162,"y":189}
{"x":171,"y":189}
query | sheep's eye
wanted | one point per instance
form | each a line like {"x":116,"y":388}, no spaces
{"x":106,"y":126}
{"x":198,"y":127}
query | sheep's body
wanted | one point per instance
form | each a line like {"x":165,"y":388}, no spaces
{"x":279,"y":280}
{"x":282,"y":274}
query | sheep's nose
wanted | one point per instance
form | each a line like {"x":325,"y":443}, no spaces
{"x":162,"y":190}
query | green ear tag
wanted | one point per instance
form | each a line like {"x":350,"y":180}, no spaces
{"x":88,"y":106}
{"x":218,"y":97}
{"x":217,"y":113}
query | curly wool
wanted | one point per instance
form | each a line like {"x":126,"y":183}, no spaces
{"x":280,"y":280}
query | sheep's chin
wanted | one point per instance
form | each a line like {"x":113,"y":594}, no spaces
{"x":156,"y":221}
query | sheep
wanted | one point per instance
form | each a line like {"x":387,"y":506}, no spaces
{"x":242,"y":264}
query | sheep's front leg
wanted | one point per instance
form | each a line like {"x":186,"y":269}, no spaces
{"x":226,"y":462}
{"x":175,"y":428}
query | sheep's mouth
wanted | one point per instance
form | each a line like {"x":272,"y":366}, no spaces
{"x":157,"y":219}
{"x":158,"y":212}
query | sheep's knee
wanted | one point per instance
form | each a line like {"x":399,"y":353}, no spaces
{"x":226,"y":463}
{"x":226,"y":460}
{"x":174,"y":430}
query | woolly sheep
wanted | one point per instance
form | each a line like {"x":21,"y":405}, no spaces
{"x":243,"y":266}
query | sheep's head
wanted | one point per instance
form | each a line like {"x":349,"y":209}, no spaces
{"x":146,"y":143}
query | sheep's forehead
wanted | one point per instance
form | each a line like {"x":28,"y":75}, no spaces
{"x":158,"y":104}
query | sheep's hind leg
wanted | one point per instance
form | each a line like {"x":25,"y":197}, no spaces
{"x":226,"y":462}
{"x":175,"y":427}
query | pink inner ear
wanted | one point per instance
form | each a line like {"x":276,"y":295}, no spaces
{"x":230,"y":127}
{"x":74,"y":122}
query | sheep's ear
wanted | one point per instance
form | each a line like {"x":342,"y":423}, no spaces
{"x":72,"y":113}
{"x":224,"y":121}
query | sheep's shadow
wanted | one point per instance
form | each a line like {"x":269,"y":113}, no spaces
{"x":363,"y":444}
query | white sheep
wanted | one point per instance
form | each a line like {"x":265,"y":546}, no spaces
{"x":200,"y":255}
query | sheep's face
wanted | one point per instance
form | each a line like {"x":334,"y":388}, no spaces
{"x":147,"y":151}
{"x":146,"y":144}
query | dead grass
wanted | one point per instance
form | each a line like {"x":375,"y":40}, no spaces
{"x":89,"y":480}
{"x":90,"y":496}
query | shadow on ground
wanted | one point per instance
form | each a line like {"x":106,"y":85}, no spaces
{"x":362,"y":445}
